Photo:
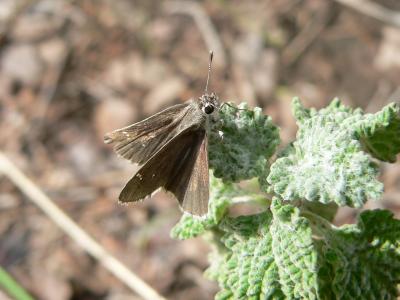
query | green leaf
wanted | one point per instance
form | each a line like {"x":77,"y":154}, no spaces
{"x":380,"y":133}
{"x":294,"y":253}
{"x":241,"y":142}
{"x":364,"y":259}
{"x":267,"y":256}
{"x":190,"y":226}
{"x":9,"y":285}
{"x":246,"y":269}
{"x":326,"y":163}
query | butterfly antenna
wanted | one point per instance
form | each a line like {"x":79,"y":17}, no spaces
{"x":209,"y":71}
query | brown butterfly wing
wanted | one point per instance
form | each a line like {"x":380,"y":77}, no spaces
{"x":140,"y":141}
{"x":190,"y":183}
{"x":171,"y":167}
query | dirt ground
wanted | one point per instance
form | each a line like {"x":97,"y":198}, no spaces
{"x":71,"y":71}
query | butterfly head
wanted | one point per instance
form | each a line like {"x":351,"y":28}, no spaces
{"x":208,"y":103}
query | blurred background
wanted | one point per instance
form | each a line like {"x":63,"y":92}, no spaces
{"x":71,"y":71}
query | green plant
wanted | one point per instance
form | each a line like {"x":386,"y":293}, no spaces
{"x":11,"y":287}
{"x":291,"y":250}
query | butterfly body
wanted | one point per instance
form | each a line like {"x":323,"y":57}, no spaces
{"x":171,"y":148}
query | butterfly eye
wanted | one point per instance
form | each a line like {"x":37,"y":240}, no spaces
{"x":208,"y":109}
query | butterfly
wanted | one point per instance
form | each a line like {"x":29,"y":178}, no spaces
{"x":171,"y":150}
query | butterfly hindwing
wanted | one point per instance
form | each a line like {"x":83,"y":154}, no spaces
{"x":140,"y":141}
{"x":190,"y":185}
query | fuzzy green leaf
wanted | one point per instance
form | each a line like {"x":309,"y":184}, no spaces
{"x":380,"y":133}
{"x":294,"y":252}
{"x":245,"y":269}
{"x":266,"y":256}
{"x":363,"y":260}
{"x":326,"y":163}
{"x":241,"y":142}
{"x":291,"y":254}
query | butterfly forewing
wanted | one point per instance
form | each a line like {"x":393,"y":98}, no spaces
{"x":174,"y":169}
{"x":142,"y":140}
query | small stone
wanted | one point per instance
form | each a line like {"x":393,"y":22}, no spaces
{"x":163,"y":95}
{"x":53,"y":51}
{"x":6,"y":9}
{"x":32,"y":27}
{"x":115,"y":74}
{"x":113,"y":114}
{"x":83,"y":155}
{"x":146,"y":72}
{"x":134,"y":69}
{"x":8,"y":200}
{"x":388,"y":54}
{"x":22,"y":62}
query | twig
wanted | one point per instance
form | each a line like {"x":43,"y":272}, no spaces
{"x":51,"y":84}
{"x":374,"y":10}
{"x":75,"y":232}
{"x":203,"y":22}
{"x":46,"y":96}
{"x":382,"y":97}
{"x":306,"y":37}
